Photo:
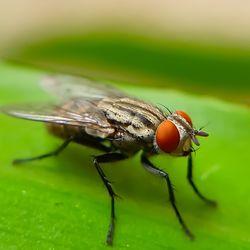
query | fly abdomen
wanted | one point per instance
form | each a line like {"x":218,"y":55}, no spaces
{"x":63,"y":131}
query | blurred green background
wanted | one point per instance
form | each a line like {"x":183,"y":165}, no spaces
{"x":192,"y":56}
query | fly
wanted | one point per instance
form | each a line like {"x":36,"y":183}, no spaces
{"x":119,"y":126}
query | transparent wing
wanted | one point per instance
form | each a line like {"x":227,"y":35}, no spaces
{"x":75,"y":112}
{"x":67,"y":87}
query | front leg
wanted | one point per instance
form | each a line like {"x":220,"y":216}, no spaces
{"x":156,"y":171}
{"x":190,"y":179}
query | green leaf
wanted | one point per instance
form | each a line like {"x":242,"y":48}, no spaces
{"x":60,"y":203}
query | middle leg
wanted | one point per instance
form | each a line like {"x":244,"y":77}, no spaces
{"x":109,"y":157}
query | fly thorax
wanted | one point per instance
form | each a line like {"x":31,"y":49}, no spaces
{"x":126,"y":144}
{"x":101,"y":133}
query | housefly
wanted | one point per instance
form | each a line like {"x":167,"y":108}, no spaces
{"x":106,"y":119}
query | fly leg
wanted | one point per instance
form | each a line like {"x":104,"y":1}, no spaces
{"x":156,"y":171}
{"x":190,"y":179}
{"x":109,"y":157}
{"x":53,"y":153}
{"x":86,"y":141}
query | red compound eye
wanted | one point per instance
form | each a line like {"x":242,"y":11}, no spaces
{"x":167,"y":136}
{"x":185,"y":116}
